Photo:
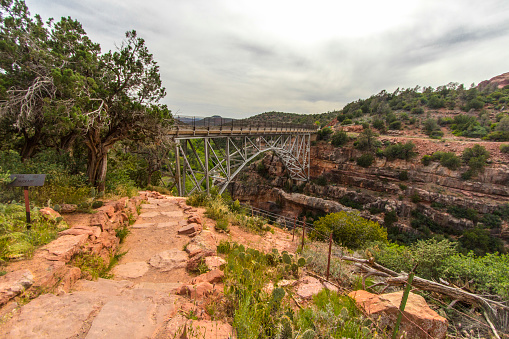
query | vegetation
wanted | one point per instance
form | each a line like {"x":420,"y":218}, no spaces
{"x":440,"y":259}
{"x":339,"y":138}
{"x":400,"y":151}
{"x":365,"y":160}
{"x":259,"y":313}
{"x":58,"y":91}
{"x":348,"y":229}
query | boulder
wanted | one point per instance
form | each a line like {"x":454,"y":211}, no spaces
{"x":99,"y":219}
{"x":13,"y":283}
{"x":419,"y":321}
{"x":108,"y":209}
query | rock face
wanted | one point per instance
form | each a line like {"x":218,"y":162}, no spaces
{"x":418,"y":321}
{"x":14,"y":283}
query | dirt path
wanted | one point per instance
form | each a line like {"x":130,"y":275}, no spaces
{"x":142,"y":300}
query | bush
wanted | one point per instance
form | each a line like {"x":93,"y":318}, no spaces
{"x":426,"y":160}
{"x":395,"y":125}
{"x":324,"y":133}
{"x":504,"y":148}
{"x":349,"y":229}
{"x":347,"y":122}
{"x":491,"y":220}
{"x":390,"y":218}
{"x":417,"y":110}
{"x":465,"y":213}
{"x":378,"y":124}
{"x":447,"y":159}
{"x":403,"y":175}
{"x":339,"y":138}
{"x":365,"y":160}
{"x":400,"y":151}
{"x":475,"y":158}
{"x":480,"y":242}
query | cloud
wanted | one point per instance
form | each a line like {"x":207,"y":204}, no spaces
{"x":238,"y":57}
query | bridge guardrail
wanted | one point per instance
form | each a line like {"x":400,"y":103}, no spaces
{"x":220,"y":123}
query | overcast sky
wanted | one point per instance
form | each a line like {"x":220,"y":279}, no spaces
{"x":238,"y":58}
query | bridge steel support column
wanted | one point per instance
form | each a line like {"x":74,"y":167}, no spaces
{"x":177,"y":168}
{"x":207,"y":181}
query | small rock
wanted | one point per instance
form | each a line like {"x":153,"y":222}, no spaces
{"x":49,"y":213}
{"x":194,"y":262}
{"x":189,"y":229}
{"x":214,"y":262}
{"x":63,"y":248}
{"x":13,"y":283}
{"x":108,"y":209}
{"x":214,"y":276}
{"x":68,"y":208}
{"x":194,"y":219}
{"x":99,"y":219}
{"x":200,"y":290}
{"x":308,"y":286}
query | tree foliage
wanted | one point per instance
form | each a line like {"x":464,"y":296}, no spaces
{"x":349,"y":229}
{"x":56,"y":87}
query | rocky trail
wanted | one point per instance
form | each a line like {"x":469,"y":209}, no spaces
{"x":152,"y":293}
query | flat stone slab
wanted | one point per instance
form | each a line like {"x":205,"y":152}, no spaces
{"x":169,"y":260}
{"x":144,"y":225}
{"x":148,"y":206}
{"x":167,"y":224}
{"x":163,"y":287}
{"x":309,"y":286}
{"x":173,"y":214}
{"x":50,"y":316}
{"x":13,"y":283}
{"x":189,"y":229}
{"x":127,"y":319}
{"x":150,"y":214}
{"x":131,"y":270}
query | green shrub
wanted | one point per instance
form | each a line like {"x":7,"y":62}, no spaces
{"x":395,"y":125}
{"x":365,"y":160}
{"x":417,"y":110}
{"x":400,"y":151}
{"x":339,"y":138}
{"x":324,"y":133}
{"x":222,"y":225}
{"x":426,"y":160}
{"x":403,"y":175}
{"x":378,"y":124}
{"x":415,"y":198}
{"x":390,"y":218}
{"x":198,"y":199}
{"x":461,"y":212}
{"x":447,"y":159}
{"x":504,"y":148}
{"x":475,"y":158}
{"x":480,"y":242}
{"x":347,"y":122}
{"x":491,"y":220}
{"x":349,"y":229}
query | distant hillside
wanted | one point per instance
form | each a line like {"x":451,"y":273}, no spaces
{"x":477,"y":112}
{"x":323,"y":118}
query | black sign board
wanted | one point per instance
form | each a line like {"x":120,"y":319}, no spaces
{"x":23,"y":180}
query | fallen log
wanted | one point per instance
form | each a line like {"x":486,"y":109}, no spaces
{"x":399,"y":279}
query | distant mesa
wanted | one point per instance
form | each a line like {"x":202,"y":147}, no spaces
{"x":500,"y":81}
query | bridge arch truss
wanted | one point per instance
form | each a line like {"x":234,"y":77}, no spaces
{"x":216,"y":156}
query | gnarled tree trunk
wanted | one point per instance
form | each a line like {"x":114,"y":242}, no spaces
{"x":98,"y":157}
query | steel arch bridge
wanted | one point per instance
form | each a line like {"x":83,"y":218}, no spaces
{"x":207,"y":155}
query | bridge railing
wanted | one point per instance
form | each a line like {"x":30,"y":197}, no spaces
{"x":220,"y":123}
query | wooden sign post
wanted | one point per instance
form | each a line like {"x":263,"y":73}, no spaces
{"x":25,"y":181}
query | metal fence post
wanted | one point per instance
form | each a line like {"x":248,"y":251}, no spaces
{"x":328,"y":260}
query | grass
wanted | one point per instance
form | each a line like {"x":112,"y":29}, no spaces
{"x":16,"y":241}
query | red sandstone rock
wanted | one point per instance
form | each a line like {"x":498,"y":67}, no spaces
{"x":194,"y":262}
{"x":68,"y":208}
{"x":200,"y":290}
{"x":13,"y":283}
{"x":99,"y":219}
{"x":63,"y":248}
{"x":214,"y":262}
{"x":49,"y":213}
{"x":417,"y":315}
{"x":190,"y":229}
{"x":194,"y":219}
{"x":108,"y":209}
{"x":309,"y":286}
{"x":214,"y":276}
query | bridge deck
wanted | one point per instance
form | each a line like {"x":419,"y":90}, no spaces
{"x":186,"y":132}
